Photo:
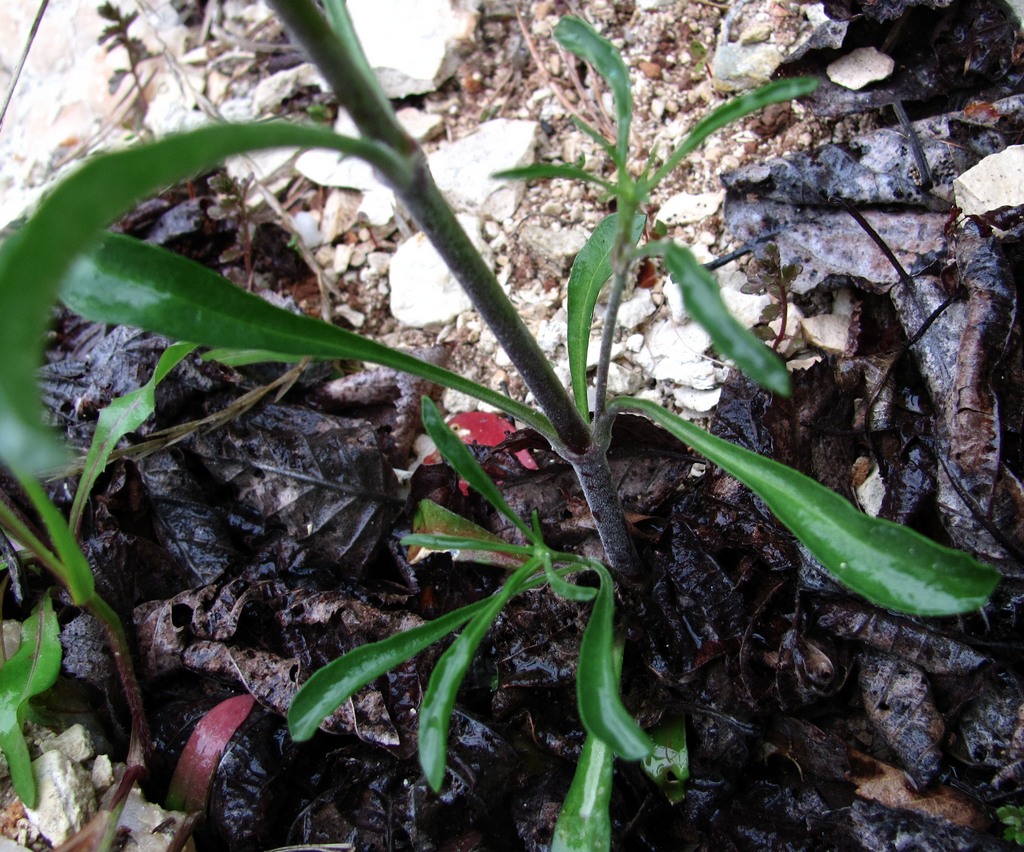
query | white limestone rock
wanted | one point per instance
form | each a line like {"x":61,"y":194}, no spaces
{"x":737,"y":67}
{"x":559,"y":246}
{"x":413,"y":45}
{"x":635,"y":311}
{"x":997,"y":181}
{"x":826,"y":331}
{"x":274,"y":90}
{"x":150,"y":828}
{"x":75,"y":743}
{"x":420,"y":125}
{"x":66,"y":798}
{"x":423,"y":291}
{"x":860,"y":68}
{"x":623,"y":381}
{"x":696,"y":401}
{"x":746,"y":307}
{"x":687,"y":208}
{"x":675,"y":352}
{"x":871,"y":492}
{"x":463,"y":168}
{"x":744,"y":59}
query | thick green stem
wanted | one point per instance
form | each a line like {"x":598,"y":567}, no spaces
{"x":341,"y":61}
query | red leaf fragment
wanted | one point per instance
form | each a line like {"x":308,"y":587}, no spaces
{"x":190,"y":785}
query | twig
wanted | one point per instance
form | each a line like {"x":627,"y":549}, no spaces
{"x":15,"y":76}
{"x":530,"y":46}
{"x":915,"y":146}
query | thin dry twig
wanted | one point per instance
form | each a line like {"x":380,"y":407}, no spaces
{"x":16,"y":74}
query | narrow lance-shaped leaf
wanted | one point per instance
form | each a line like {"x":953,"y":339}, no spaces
{"x":584,"y":823}
{"x":890,"y":565}
{"x":34,"y":260}
{"x":561,"y":586}
{"x":331,"y":686}
{"x":590,"y":271}
{"x":72,"y":568}
{"x":727,"y":113}
{"x":121,"y":416}
{"x":582,"y":39}
{"x":597,"y":691}
{"x":546,"y":171}
{"x":460,"y":458}
{"x":703,"y":301}
{"x":130,"y":282}
{"x":33,"y":669}
{"x":443,"y":688}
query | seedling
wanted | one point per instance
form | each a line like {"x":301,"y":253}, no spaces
{"x":118,"y":280}
{"x":115,"y":35}
{"x":768,"y":274}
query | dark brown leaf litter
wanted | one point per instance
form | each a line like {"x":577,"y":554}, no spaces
{"x":252,"y":554}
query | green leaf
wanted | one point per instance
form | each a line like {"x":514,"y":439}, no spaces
{"x":597,"y":692}
{"x":546,"y":171}
{"x":33,"y":669}
{"x":594,"y":134}
{"x":35,"y":259}
{"x":439,"y":699}
{"x":435,"y":528}
{"x":727,"y":113}
{"x":584,"y":823}
{"x":130,"y":282}
{"x":331,"y":686}
{"x":244,"y":357}
{"x":583,"y":40}
{"x":703,"y":301}
{"x":890,"y":565}
{"x":72,"y":568}
{"x":562,"y":587}
{"x":121,"y":416}
{"x":460,"y":458}
{"x":668,"y":765}
{"x":590,"y":270}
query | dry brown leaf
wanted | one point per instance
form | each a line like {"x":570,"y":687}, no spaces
{"x":889,"y":786}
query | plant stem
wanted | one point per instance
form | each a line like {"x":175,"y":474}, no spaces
{"x":595,"y":476}
{"x":342,"y":62}
{"x":118,"y":641}
{"x":339,"y":57}
{"x":608,"y":336}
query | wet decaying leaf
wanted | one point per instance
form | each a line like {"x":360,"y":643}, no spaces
{"x":914,"y":642}
{"x":991,"y":732}
{"x":832,"y":249}
{"x":186,"y":519}
{"x":898,"y":701}
{"x":379,"y":803}
{"x":388,"y":399}
{"x":318,"y":479}
{"x":647,"y":464}
{"x":980,"y":493}
{"x":869,"y":826}
{"x":878,"y":10}
{"x":794,"y":198}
